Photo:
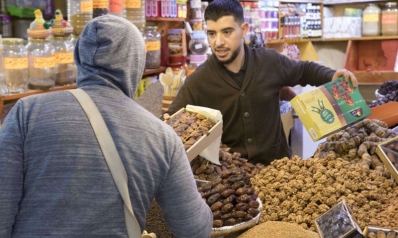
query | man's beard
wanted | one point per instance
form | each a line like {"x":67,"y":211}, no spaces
{"x":231,"y":59}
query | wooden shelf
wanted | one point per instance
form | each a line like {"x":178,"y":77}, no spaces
{"x":33,"y":92}
{"x":368,"y":38}
{"x":165,"y":19}
{"x":154,"y":71}
{"x":336,"y":2}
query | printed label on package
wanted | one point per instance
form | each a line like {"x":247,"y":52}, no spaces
{"x":371,"y":18}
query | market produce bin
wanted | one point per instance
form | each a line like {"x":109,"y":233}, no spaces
{"x":387,"y":112}
{"x":388,"y":153}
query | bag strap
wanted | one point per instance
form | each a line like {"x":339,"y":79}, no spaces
{"x":112,"y":157}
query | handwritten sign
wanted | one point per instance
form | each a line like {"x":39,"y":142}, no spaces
{"x":40,"y":62}
{"x":16,"y":63}
{"x":152,"y":46}
{"x":86,"y":6}
{"x":116,"y":6}
{"x":64,"y":58}
{"x":132,"y":3}
{"x":100,"y":3}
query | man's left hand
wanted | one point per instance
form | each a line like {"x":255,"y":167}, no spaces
{"x":347,"y":75}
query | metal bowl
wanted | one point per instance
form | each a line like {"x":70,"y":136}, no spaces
{"x":378,"y":95}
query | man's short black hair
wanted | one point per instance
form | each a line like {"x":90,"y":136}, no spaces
{"x":221,"y":8}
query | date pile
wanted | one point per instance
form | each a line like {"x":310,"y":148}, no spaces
{"x":390,"y":92}
{"x":229,"y":192}
{"x":190,"y":127}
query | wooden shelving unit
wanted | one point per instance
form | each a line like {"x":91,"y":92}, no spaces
{"x":365,"y":38}
{"x":174,"y":19}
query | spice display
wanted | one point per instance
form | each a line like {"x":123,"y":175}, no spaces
{"x":15,"y":65}
{"x":198,"y":44}
{"x":278,"y":229}
{"x":65,"y":68}
{"x":389,"y":19}
{"x":371,"y":20}
{"x":80,"y":12}
{"x":100,"y":7}
{"x":299,"y":191}
{"x":358,"y":144}
{"x":190,"y":127}
{"x":152,"y":42}
{"x":229,"y":192}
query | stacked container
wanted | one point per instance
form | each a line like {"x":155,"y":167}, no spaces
{"x":134,"y":11}
{"x":80,"y":12}
{"x":15,"y":64}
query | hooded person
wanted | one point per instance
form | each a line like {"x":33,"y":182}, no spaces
{"x":54,"y":180}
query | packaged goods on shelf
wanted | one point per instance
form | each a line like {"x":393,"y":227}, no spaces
{"x":342,"y":27}
{"x":330,"y":107}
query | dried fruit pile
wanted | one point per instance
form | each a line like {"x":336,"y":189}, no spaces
{"x":389,"y":90}
{"x":388,"y":217}
{"x":299,"y":190}
{"x":190,"y":127}
{"x":229,"y":193}
{"x":358,"y":144}
{"x":382,"y":234}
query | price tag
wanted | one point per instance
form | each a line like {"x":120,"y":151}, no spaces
{"x":86,"y":6}
{"x":100,"y":3}
{"x":40,"y":63}
{"x":64,"y":58}
{"x":132,"y":3}
{"x":370,"y":17}
{"x":16,"y":63}
{"x":389,"y":19}
{"x":116,"y":6}
{"x":152,"y":46}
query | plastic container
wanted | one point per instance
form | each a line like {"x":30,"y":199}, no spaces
{"x":100,"y":8}
{"x":196,"y":60}
{"x":389,"y":19}
{"x":152,"y":42}
{"x":41,"y":54}
{"x":65,"y":68}
{"x":116,"y":7}
{"x":371,"y":20}
{"x":134,"y":11}
{"x":198,"y":44}
{"x":80,"y":12}
{"x":15,"y":64}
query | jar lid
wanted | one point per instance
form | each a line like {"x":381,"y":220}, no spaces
{"x":198,"y":58}
{"x":12,"y":41}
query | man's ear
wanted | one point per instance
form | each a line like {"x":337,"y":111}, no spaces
{"x":245,"y":29}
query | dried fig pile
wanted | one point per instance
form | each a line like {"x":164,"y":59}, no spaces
{"x":190,"y":127}
{"x":358,"y":144}
{"x":299,"y":190}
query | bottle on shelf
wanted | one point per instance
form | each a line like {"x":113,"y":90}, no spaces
{"x":134,"y":11}
{"x":371,"y":20}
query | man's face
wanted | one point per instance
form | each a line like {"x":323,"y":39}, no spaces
{"x":226,"y":38}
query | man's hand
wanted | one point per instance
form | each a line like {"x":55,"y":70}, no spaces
{"x":286,"y":93}
{"x":347,"y":75}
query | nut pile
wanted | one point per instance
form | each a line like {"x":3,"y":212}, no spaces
{"x":388,"y":217}
{"x":358,"y":144}
{"x":190,"y":127}
{"x":230,"y":193}
{"x":277,"y":229}
{"x":299,"y":191}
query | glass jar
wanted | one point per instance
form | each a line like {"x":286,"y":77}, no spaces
{"x":15,"y":64}
{"x":74,"y":39}
{"x":100,"y":8}
{"x":80,"y":12}
{"x":41,"y":54}
{"x":134,"y":11}
{"x":389,"y":19}
{"x":195,"y":61}
{"x":116,"y":7}
{"x":198,"y":44}
{"x":152,"y":42}
{"x":371,"y":20}
{"x":65,"y":68}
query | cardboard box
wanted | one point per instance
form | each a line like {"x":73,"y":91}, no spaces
{"x":375,"y":229}
{"x":329,"y":108}
{"x":338,"y":222}
{"x":204,"y":141}
{"x":388,"y":153}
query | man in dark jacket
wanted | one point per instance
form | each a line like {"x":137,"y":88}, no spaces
{"x":244,"y":84}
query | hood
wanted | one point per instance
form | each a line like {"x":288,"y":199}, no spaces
{"x":110,"y":52}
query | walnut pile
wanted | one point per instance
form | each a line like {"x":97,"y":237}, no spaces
{"x":358,"y":144}
{"x":299,"y":190}
{"x":190,"y":127}
{"x":206,"y":170}
{"x":388,"y":217}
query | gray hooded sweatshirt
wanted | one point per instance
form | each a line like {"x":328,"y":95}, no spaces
{"x":54,"y":181}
